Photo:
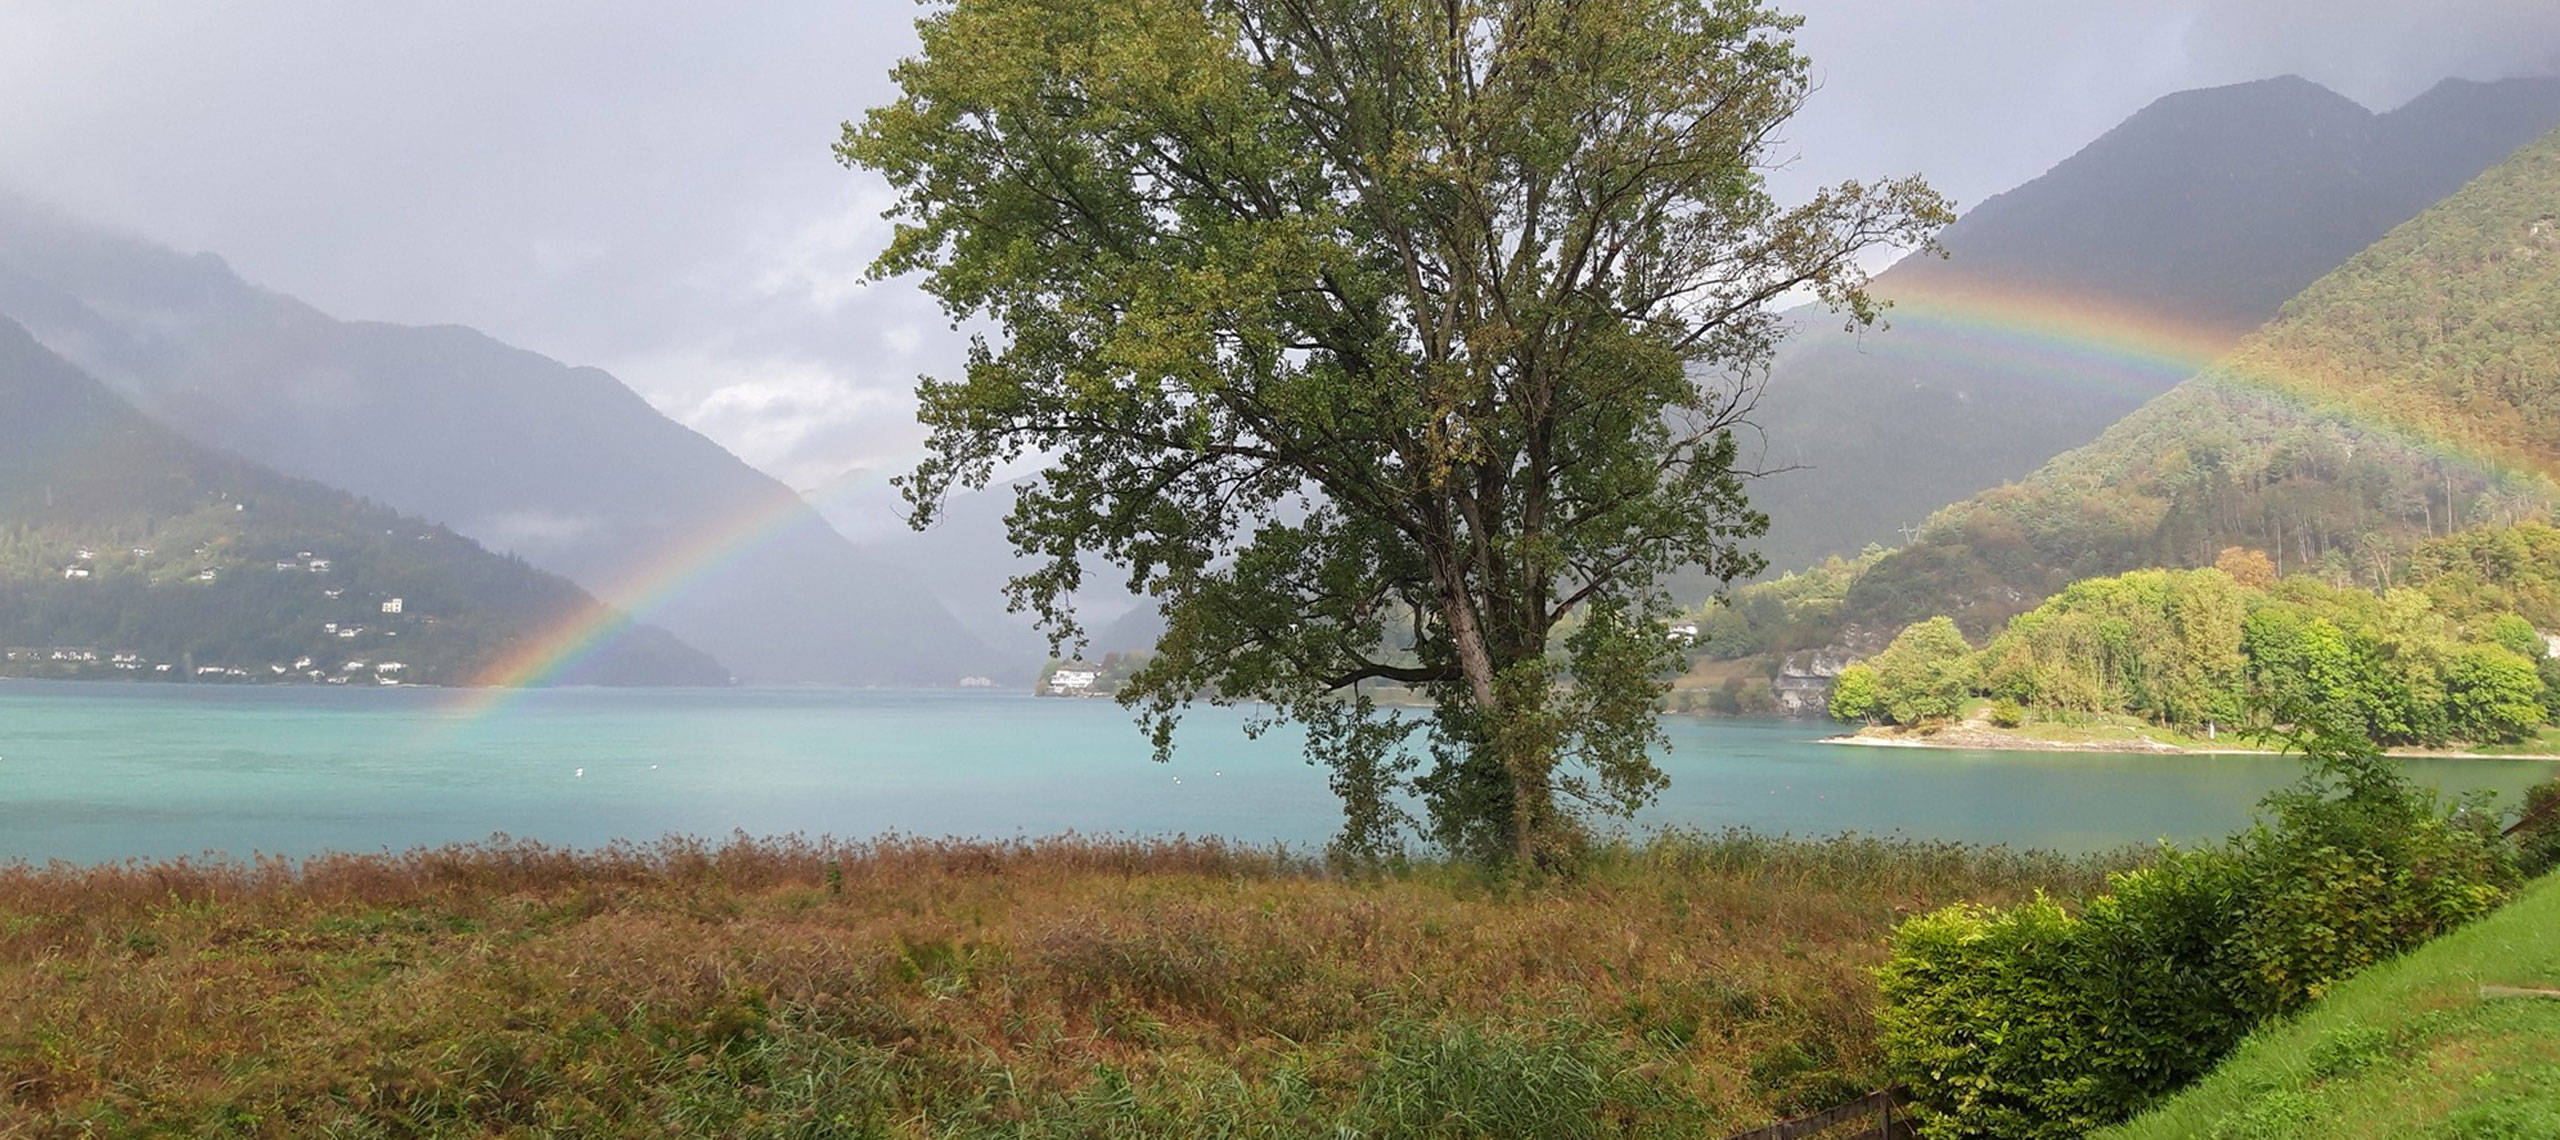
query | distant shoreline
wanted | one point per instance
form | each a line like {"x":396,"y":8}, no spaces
{"x":1978,"y":737}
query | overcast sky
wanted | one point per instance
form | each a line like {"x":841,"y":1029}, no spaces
{"x":646,"y":186}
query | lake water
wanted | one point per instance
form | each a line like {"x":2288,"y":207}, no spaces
{"x":103,"y":772}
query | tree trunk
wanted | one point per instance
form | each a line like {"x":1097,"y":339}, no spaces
{"x":1511,"y":729}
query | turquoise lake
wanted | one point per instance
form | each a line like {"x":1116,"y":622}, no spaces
{"x":102,"y":772}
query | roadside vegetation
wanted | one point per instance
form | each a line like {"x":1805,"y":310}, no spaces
{"x":1691,"y":985}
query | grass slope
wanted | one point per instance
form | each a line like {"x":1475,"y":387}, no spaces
{"x":2409,"y":1049}
{"x":1693,"y":986}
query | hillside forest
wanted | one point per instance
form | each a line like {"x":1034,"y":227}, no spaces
{"x":2451,"y":654}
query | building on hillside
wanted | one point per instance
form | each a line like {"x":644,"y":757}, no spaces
{"x":318,"y":565}
{"x":393,"y":606}
{"x":75,"y":573}
{"x":208,"y":574}
{"x":1073,"y":679}
{"x":66,"y":654}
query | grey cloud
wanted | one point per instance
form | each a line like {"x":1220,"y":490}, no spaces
{"x":647,"y":186}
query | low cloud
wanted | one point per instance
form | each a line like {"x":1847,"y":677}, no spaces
{"x":793,"y":418}
{"x":649,"y":187}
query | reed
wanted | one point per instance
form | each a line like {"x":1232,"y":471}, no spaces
{"x":912,"y":987}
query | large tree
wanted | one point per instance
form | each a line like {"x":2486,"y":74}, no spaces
{"x":1379,"y":340}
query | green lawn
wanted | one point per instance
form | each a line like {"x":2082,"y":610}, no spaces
{"x":2408,"y":1049}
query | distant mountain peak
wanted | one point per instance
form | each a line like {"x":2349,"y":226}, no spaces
{"x":137,"y":554}
{"x":2201,"y":214}
{"x":2406,"y":394}
{"x":450,"y":424}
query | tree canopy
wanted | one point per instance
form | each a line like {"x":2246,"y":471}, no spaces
{"x":1374,"y":338}
{"x":2439,"y":662}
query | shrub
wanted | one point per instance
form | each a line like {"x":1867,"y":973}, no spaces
{"x":2032,"y":1022}
{"x":1853,"y":694}
{"x":2538,"y":841}
{"x":2336,"y":883}
{"x":2007,"y":714}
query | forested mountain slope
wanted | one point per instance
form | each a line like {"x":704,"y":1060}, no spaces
{"x":126,"y":550}
{"x":2067,"y":302}
{"x":563,"y":466}
{"x":2413,"y":391}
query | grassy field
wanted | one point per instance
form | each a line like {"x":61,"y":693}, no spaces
{"x":1692,"y":985}
{"x":2414,"y":1048}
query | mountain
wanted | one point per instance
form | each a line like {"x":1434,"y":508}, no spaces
{"x":2411,"y":392}
{"x":2067,"y":302}
{"x":965,"y":558}
{"x":563,"y":466}
{"x":128,"y":550}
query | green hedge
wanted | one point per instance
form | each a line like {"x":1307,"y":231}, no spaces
{"x":2034,"y":1022}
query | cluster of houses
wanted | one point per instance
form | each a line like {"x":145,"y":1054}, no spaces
{"x":303,"y":669}
{"x":83,"y":565}
{"x":83,"y":659}
{"x":80,"y":656}
{"x":1073,"y":679}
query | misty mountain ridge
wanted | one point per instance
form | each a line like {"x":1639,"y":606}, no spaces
{"x":2204,"y":211}
{"x":2201,"y":215}
{"x":2410,"y":393}
{"x":127,"y":550}
{"x":563,"y":465}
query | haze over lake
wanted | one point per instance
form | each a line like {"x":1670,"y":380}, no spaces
{"x":104,"y":772}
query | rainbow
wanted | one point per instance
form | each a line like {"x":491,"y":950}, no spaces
{"x":626,"y":601}
{"x":2108,"y":348}
{"x":2126,"y":352}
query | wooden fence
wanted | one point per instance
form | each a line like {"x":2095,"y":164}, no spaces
{"x":1881,"y":1109}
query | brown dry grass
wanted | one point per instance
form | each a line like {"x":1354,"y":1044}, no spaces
{"x":913,"y":988}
